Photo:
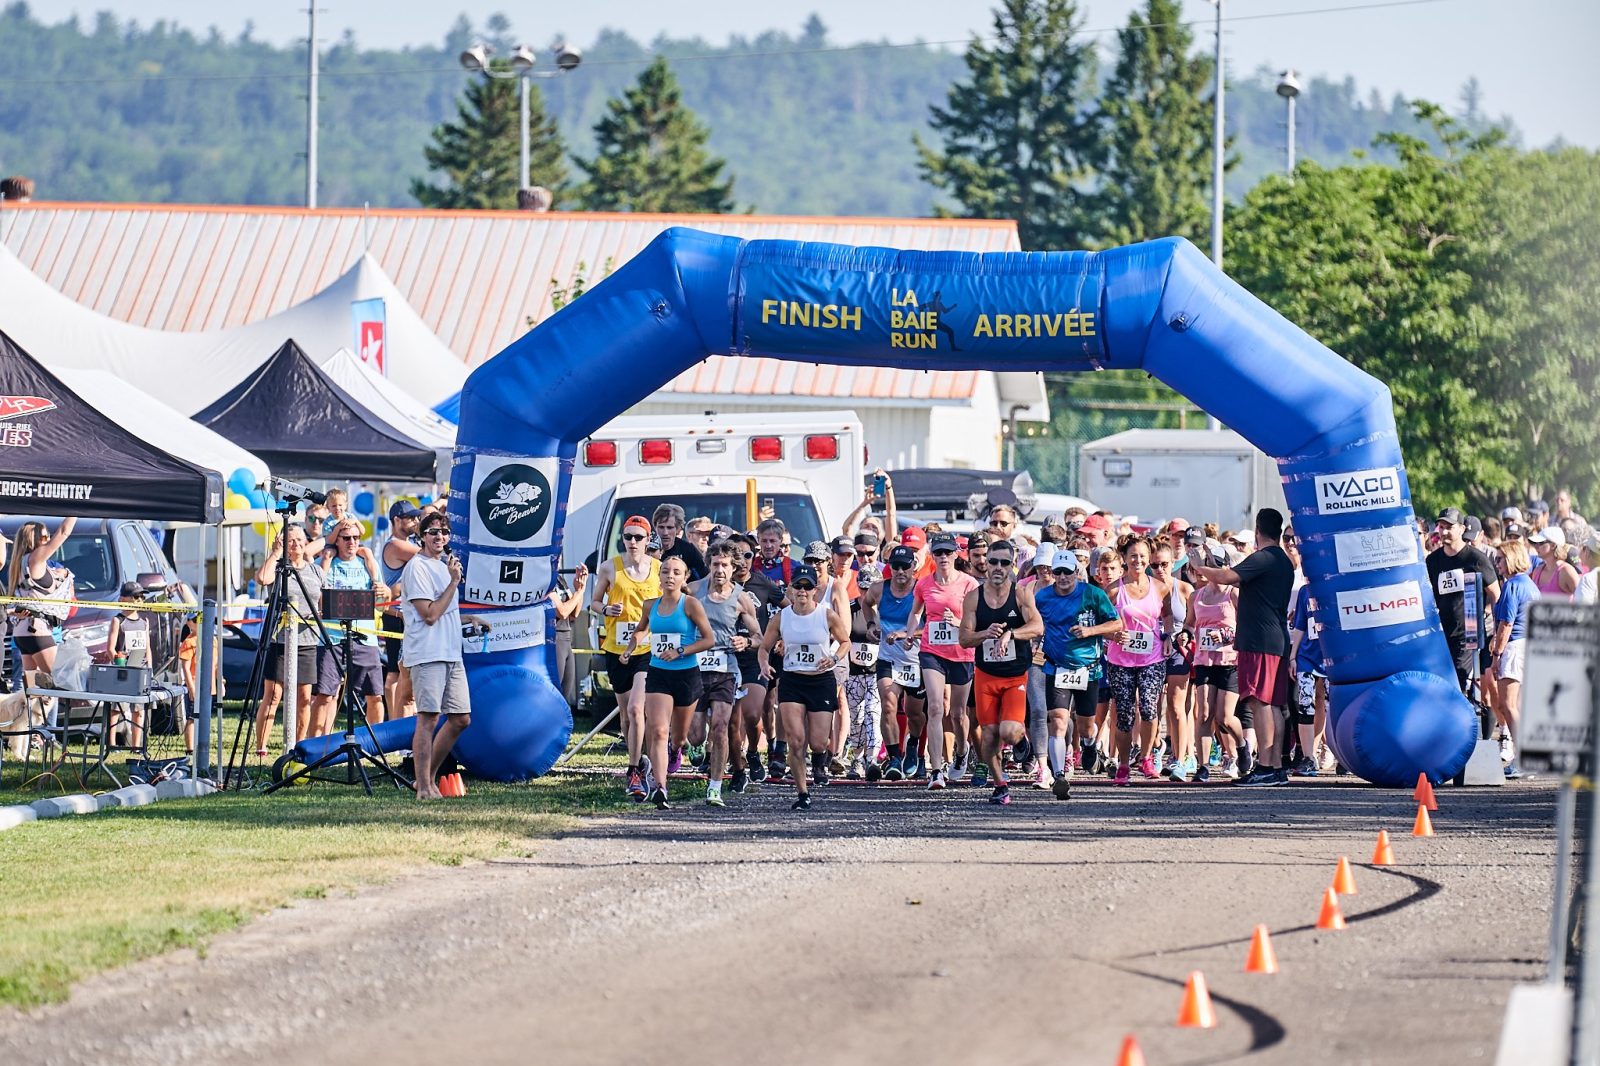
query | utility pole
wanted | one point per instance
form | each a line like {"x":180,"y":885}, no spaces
{"x":311,"y":107}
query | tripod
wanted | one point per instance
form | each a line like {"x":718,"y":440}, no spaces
{"x":347,"y":605}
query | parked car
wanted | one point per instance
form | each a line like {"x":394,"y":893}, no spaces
{"x":103,"y":554}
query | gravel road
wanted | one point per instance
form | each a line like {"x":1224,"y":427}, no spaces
{"x":884,"y":924}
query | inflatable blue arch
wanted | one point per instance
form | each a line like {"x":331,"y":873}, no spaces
{"x":1160,"y":307}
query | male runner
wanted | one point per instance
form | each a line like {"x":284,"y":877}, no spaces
{"x":1077,"y":616}
{"x":887,"y":608}
{"x":727,"y":607}
{"x":999,"y":622}
{"x":621,"y":586}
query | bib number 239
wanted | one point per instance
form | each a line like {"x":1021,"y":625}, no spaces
{"x":1140,"y":642}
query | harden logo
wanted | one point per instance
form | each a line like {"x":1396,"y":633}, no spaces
{"x":514,"y":502}
{"x":511,"y":572}
{"x":1384,"y":605}
{"x":1358,"y":490}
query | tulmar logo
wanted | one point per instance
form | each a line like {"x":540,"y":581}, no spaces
{"x":17,"y":406}
{"x":1358,"y":490}
{"x":1383,"y":605}
{"x":514,"y":502}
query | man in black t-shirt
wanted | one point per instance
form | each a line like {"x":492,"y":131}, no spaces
{"x":1265,"y":578}
{"x":1450,"y":567}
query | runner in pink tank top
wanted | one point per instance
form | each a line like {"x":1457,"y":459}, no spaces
{"x":1136,"y":667}
{"x":1141,"y":621}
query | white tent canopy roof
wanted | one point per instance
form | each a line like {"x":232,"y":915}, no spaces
{"x":188,"y":370}
{"x":394,"y":405}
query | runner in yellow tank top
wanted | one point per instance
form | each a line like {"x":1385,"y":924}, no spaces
{"x":622,"y":586}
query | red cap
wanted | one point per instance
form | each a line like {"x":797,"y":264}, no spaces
{"x":914,"y":538}
{"x":1177,"y":525}
{"x":1097,"y":521}
{"x":638,"y":522}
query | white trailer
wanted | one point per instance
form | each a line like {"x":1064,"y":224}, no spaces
{"x":1197,"y":475}
{"x":808,"y":466}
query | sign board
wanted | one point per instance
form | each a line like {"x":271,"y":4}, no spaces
{"x":1558,"y":684}
{"x":370,"y":323}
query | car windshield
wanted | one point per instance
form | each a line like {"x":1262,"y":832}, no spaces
{"x":796,"y":510}
{"x":88,"y":556}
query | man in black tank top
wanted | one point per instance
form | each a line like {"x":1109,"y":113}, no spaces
{"x":1000,"y":621}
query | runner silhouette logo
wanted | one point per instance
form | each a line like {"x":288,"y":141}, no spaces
{"x":514,"y":502}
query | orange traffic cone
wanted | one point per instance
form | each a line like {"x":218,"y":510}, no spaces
{"x":1344,"y":879}
{"x":1423,"y":793}
{"x":450,"y":786}
{"x":1331,"y":917}
{"x":1424,"y":824}
{"x":1131,"y":1055}
{"x":1261,"y":958}
{"x":461,"y":785}
{"x":1196,"y":1011}
{"x":1383,"y":854}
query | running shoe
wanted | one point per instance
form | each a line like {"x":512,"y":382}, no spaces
{"x":921,"y":772}
{"x":635,"y":786}
{"x":836,"y":766}
{"x":775,"y":769}
{"x":937,"y":780}
{"x":896,"y":770}
{"x":1246,"y":762}
{"x":957,"y":769}
{"x":1001,"y":797}
{"x":1089,"y":759}
{"x":1513,"y":771}
{"x":1077,"y":757}
{"x":819,"y":776}
{"x":714,"y":799}
{"x":1042,"y":777}
{"x":1216,"y":755}
{"x":1261,"y":775}
{"x":1148,"y":768}
{"x":980,"y":775}
{"x":674,"y":760}
{"x":874,"y":772}
{"x":1202,"y":773}
{"x":1508,"y":750}
{"x":1178,"y":772}
{"x":1022,"y":750}
{"x":659,"y":797}
{"x":1061,"y":787}
{"x":1305,"y":768}
{"x":738,"y":782}
{"x":858,"y":769}
{"x":1122,"y":776}
{"x":801,"y":804}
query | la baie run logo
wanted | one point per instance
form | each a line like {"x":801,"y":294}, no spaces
{"x":514,"y":502}
{"x":20,"y":434}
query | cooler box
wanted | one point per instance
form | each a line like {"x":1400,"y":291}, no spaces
{"x":119,"y":680}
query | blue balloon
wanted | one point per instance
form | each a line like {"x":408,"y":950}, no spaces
{"x":363,"y":502}
{"x":242,"y":481}
{"x":258,"y":498}
{"x":424,"y":500}
{"x":381,"y":525}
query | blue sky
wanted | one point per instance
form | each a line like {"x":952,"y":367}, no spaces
{"x":1534,"y":59}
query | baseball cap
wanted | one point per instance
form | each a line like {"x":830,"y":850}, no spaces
{"x":1047,"y":555}
{"x":1451,"y":516}
{"x":866,"y":540}
{"x":1177,"y":525}
{"x":1592,"y":543}
{"x":803,"y":573}
{"x":1238,"y":537}
{"x":1474,"y":527}
{"x":1097,"y":554}
{"x":1511,"y":514}
{"x":816,"y":550}
{"x":639,"y":522}
{"x":132,"y":590}
{"x":404,"y":509}
{"x":1194,"y":536}
{"x":914,"y":537}
{"x":1549,"y":535}
{"x":1538,"y":507}
{"x":1513,"y":531}
{"x":842,"y":546}
{"x":653,"y":544}
{"x":902,"y":555}
{"x":943,"y":542}
{"x":1097,"y":522}
{"x":1065,"y":562}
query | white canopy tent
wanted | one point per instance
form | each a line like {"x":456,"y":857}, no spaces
{"x":395,"y":406}
{"x":190,"y":370}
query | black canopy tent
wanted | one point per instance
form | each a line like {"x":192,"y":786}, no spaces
{"x":61,"y":456}
{"x":297,"y":418}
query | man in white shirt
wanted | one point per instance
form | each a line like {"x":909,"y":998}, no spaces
{"x":1589,"y":583}
{"x":431,"y":650}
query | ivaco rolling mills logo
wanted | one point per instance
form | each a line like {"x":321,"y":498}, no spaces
{"x":514,"y":502}
{"x":1358,"y":490}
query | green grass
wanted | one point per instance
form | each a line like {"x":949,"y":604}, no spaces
{"x":89,"y":893}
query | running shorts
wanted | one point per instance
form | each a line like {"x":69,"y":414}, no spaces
{"x":1000,"y":699}
{"x":1225,"y":678}
{"x":817,"y":693}
{"x":1081,"y":702}
{"x":682,"y":685}
{"x":1264,"y":677}
{"x":621,"y":674}
{"x":954,"y":673}
{"x":717,"y":687}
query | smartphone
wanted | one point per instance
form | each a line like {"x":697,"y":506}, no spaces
{"x":766,"y":505}
{"x":880,"y":485}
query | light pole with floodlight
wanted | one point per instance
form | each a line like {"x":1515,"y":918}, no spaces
{"x":523,"y":61}
{"x":1289,"y":89}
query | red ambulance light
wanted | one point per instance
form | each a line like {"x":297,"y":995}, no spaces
{"x":600,"y":453}
{"x":655,"y":452}
{"x":766,"y":449}
{"x":822,"y":447}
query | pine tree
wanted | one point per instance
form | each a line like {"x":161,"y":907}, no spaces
{"x":479,"y":154}
{"x":1019,"y":139}
{"x":651,"y":154}
{"x":1156,"y":173}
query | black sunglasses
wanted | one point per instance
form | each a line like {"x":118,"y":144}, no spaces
{"x":633,"y":536}
{"x":803,"y":586}
{"x":944,"y":551}
{"x":443,"y":531}
{"x":349,"y":536}
{"x":899,"y":566}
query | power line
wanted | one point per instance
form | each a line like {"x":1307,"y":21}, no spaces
{"x":714,"y":56}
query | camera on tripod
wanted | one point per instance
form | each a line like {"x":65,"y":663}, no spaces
{"x":291,"y":493}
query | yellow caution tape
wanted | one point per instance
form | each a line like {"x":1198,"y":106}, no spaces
{"x":104,"y":605}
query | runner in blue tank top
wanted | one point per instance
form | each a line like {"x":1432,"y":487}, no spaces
{"x":677,"y":630}
{"x":887,"y":606}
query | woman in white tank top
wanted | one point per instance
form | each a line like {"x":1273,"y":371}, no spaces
{"x":811,"y":633}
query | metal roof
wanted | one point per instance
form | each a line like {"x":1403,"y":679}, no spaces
{"x":475,"y":277}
